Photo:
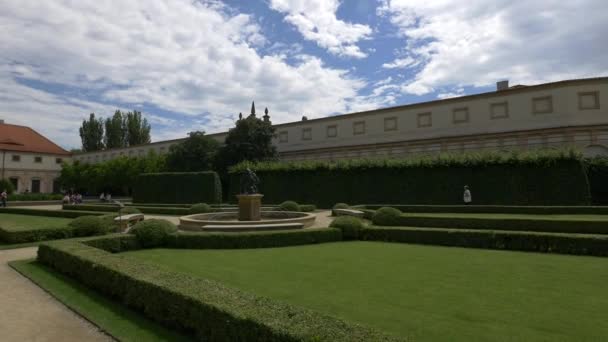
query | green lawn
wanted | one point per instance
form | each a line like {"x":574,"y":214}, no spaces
{"x":421,"y":292}
{"x":112,"y":317}
{"x":577,"y":217}
{"x":14,"y":222}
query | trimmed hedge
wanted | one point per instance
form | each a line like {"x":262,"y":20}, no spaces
{"x":253,"y":239}
{"x":516,"y":224}
{"x":349,"y":225}
{"x":178,"y":187}
{"x":89,"y":225}
{"x":32,"y":235}
{"x":49,"y":213}
{"x":491,"y":209}
{"x":153,"y":233}
{"x":596,"y":245}
{"x":597,"y":172}
{"x":518,"y":178}
{"x":145,"y":210}
{"x":208,"y":309}
{"x":200,"y":208}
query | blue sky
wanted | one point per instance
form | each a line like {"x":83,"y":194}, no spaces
{"x":194,"y":65}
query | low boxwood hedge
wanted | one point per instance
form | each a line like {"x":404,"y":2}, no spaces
{"x":516,"y":224}
{"x":349,"y":225}
{"x":49,"y":213}
{"x":492,"y":209}
{"x":143,"y":209}
{"x":32,"y":235}
{"x":205,"y":308}
{"x":596,"y":245}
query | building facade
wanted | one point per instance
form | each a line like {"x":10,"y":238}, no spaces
{"x":571,"y":113}
{"x":31,"y":162}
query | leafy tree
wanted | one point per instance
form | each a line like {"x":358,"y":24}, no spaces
{"x":138,"y":129}
{"x":250,"y":140}
{"x":91,"y":134}
{"x":116,"y":131}
{"x":196,"y":153}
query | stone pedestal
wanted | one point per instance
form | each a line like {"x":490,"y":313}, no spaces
{"x":249,"y":207}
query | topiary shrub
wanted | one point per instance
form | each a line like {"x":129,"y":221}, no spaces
{"x":200,"y":208}
{"x":387,"y":216}
{"x":5,"y":184}
{"x":153,"y":232}
{"x":108,"y":221}
{"x":306,"y":208}
{"x":129,"y":211}
{"x":89,"y":225}
{"x":289,"y":206}
{"x":341,"y":206}
{"x":349,"y":225}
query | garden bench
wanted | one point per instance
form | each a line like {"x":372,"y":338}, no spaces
{"x":348,"y":212}
{"x":126,"y":221}
{"x":251,"y":227}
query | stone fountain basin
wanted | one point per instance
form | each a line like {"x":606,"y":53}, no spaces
{"x":270,"y":220}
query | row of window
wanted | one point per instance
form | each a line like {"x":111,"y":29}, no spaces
{"x":460,"y":115}
{"x":37,"y":159}
{"x":35,"y":185}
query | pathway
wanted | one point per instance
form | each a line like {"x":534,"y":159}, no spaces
{"x":30,"y":314}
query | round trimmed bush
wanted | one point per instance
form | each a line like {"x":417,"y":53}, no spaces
{"x":153,"y":232}
{"x":200,"y":208}
{"x":387,"y":216}
{"x":129,"y":211}
{"x":349,"y":225}
{"x":289,"y":206}
{"x":341,"y":206}
{"x":306,"y":208}
{"x":108,"y":221}
{"x":89,"y":225}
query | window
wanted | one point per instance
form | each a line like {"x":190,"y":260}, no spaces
{"x":306,"y":133}
{"x":16,"y":158}
{"x":460,"y":115}
{"x":358,"y":127}
{"x":59,"y":160}
{"x":390,"y":124}
{"x":35,"y":186}
{"x":589,"y":100}
{"x":332,"y":131}
{"x":15,"y":182}
{"x":425,"y":120}
{"x":542,"y":105}
{"x":283,"y":137}
{"x":38,"y":159}
{"x":499,"y":110}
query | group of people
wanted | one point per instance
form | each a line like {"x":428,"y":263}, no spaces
{"x":105,"y":197}
{"x":72,"y":198}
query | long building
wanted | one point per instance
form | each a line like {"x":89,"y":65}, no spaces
{"x":552,"y":115}
{"x":31,"y":162}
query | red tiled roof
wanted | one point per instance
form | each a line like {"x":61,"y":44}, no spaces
{"x":25,"y":139}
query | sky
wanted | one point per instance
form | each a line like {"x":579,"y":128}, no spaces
{"x":192,"y":65}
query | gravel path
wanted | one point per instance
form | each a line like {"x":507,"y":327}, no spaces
{"x":30,"y":314}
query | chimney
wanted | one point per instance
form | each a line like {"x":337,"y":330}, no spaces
{"x":502,"y":85}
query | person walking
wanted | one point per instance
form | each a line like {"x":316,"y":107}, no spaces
{"x":3,"y":198}
{"x":467,"y":198}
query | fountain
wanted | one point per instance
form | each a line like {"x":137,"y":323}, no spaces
{"x":250,"y":216}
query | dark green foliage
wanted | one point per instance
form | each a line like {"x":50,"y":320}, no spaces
{"x":195,"y":153}
{"x":91,"y":134}
{"x":289,"y":206}
{"x":89,"y":225}
{"x":205,"y":308}
{"x":306,"y":208}
{"x":387,"y":216}
{"x":178,"y":187}
{"x":341,"y":206}
{"x":129,"y":210}
{"x":34,"y":197}
{"x":108,"y":221}
{"x":349,"y":225}
{"x":530,"y":178}
{"x":138,"y":129}
{"x":116,"y":130}
{"x":114,"y":243}
{"x":597,"y":172}
{"x":5,"y":184}
{"x":153,"y":232}
{"x":200,"y":208}
{"x":35,"y":234}
{"x":491,"y":209}
{"x":253,"y":239}
{"x":596,"y":245}
{"x":500,"y":223}
{"x":49,"y":213}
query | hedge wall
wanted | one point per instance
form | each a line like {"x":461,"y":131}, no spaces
{"x":178,"y":187}
{"x":32,"y":235}
{"x":597,"y":172}
{"x":596,"y":245}
{"x":143,"y":209}
{"x":491,"y":209}
{"x":541,"y":178}
{"x":206,"y":308}
{"x":50,"y":213}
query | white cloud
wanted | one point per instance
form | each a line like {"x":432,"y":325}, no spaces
{"x":400,"y":63}
{"x":194,"y":58}
{"x":480,"y":42}
{"x":316,"y":20}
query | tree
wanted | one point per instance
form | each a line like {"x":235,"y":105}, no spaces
{"x":116,"y":130}
{"x":196,"y":153}
{"x":250,"y":140}
{"x":138,"y":129}
{"x":91,"y":134}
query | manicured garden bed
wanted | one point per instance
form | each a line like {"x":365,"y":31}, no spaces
{"x":418,"y":292}
{"x":23,"y":228}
